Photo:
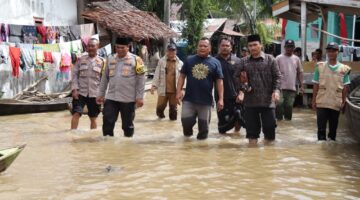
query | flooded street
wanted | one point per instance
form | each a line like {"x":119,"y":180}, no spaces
{"x":159,"y":164}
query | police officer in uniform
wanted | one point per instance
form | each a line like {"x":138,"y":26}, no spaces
{"x":124,"y":81}
{"x":86,"y":75}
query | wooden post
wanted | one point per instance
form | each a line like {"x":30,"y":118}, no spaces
{"x":81,"y":5}
{"x":324,"y":27}
{"x":353,"y":36}
{"x":303,"y":29}
{"x":167,"y":5}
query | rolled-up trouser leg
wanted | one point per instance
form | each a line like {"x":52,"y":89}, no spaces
{"x":268,"y":123}
{"x":204,"y":116}
{"x":289,"y":103}
{"x":110,"y":115}
{"x":161,"y":105}
{"x":172,"y":106}
{"x":127,"y":111}
{"x":188,"y":118}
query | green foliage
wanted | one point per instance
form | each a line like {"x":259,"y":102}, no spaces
{"x":196,"y":12}
{"x":155,"y":6}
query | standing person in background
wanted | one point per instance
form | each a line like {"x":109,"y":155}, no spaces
{"x":123,"y":81}
{"x":201,"y":71}
{"x":264,"y":76}
{"x":291,"y":71}
{"x":165,"y":79}
{"x":244,"y":52}
{"x":331,"y":80}
{"x":314,"y":56}
{"x":319,"y":55}
{"x":86,"y":75}
{"x":232,"y":114}
{"x":298,"y":53}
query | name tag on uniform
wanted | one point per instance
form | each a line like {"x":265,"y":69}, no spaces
{"x":83,"y":67}
{"x":97,"y":69}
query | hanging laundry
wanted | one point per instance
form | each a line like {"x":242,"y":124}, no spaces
{"x":26,"y":46}
{"x":108,"y":49}
{"x":65,"y":60}
{"x":4,"y":32}
{"x":87,"y":30}
{"x":102,"y":52}
{"x":39,"y":60}
{"x":4,"y":54}
{"x":47,"y":47}
{"x":51,"y":34}
{"x":42,"y":33}
{"x":64,"y":32}
{"x":65,"y":66}
{"x":347,"y":50}
{"x":357,"y":52}
{"x":343,"y":29}
{"x":15,"y":33}
{"x":30,"y":34}
{"x":76,"y":47}
{"x":85,"y":42}
{"x":56,"y":57}
{"x":48,"y":57}
{"x":28,"y":56}
{"x":14,"y":53}
{"x":65,"y":47}
{"x":75,"y":33}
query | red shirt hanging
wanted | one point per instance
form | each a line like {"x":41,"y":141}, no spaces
{"x":15,"y":60}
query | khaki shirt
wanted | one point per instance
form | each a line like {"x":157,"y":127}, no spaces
{"x":121,"y":81}
{"x":171,"y":76}
{"x":86,"y":75}
{"x":159,"y":79}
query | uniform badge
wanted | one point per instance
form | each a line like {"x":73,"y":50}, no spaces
{"x":125,"y":71}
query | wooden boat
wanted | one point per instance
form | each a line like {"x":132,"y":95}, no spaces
{"x":12,"y":107}
{"x":33,"y":100}
{"x":7,"y":156}
{"x":352,"y":111}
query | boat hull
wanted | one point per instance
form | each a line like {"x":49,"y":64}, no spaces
{"x":12,"y":107}
{"x":7,"y":156}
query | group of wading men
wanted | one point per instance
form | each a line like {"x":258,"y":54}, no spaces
{"x":253,"y":92}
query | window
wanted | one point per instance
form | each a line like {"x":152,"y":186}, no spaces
{"x":38,"y":21}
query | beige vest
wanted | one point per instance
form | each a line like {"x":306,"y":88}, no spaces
{"x":331,"y":86}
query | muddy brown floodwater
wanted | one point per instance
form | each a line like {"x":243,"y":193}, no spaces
{"x":157,"y":163}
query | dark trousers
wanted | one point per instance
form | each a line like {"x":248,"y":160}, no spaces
{"x":111,"y":113}
{"x":325,"y":115}
{"x":257,"y":118}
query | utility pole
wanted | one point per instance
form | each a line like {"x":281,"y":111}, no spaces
{"x":167,"y":4}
